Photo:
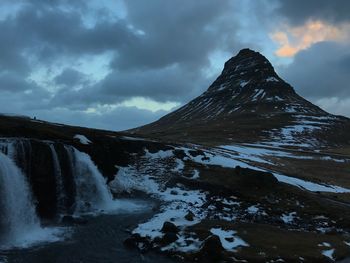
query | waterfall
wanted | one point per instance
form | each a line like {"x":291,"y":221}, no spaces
{"x":60,"y":191}
{"x":77,"y":181}
{"x":92,"y":193}
{"x":17,"y":213}
{"x":19,"y":224}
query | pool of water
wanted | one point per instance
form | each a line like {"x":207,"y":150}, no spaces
{"x":100,"y":240}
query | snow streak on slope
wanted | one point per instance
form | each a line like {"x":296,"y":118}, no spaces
{"x":241,"y":158}
{"x":302,"y":132}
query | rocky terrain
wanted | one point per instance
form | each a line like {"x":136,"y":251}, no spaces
{"x":247,"y":172}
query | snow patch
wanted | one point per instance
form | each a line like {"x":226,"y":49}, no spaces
{"x":329,"y":253}
{"x":244,"y":83}
{"x":82,"y":139}
{"x":288,"y":218}
{"x":258,"y":93}
{"x":195,"y":174}
{"x":160,"y":154}
{"x":228,"y":238}
{"x":272,"y":79}
{"x":253,"y":209}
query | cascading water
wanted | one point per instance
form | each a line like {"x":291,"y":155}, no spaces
{"x":60,"y":191}
{"x":17,"y":211}
{"x":19,"y":224}
{"x":92,"y":192}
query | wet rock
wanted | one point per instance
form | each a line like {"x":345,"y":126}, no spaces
{"x":169,"y":227}
{"x":173,"y":192}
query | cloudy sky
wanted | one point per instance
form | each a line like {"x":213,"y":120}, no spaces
{"x":117,"y":64}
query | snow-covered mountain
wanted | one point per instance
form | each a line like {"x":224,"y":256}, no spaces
{"x":250,"y":102}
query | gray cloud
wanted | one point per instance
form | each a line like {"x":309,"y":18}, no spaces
{"x":12,"y":82}
{"x":165,"y":62}
{"x":317,"y":76}
{"x":162,"y":85}
{"x":11,"y":49}
{"x":298,"y":11}
{"x":181,"y":32}
{"x":70,"y":77}
{"x":55,"y":32}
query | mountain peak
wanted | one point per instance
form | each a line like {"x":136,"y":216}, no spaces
{"x":247,"y":67}
{"x":247,"y":53}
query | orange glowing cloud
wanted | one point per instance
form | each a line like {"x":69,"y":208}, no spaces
{"x":294,"y":39}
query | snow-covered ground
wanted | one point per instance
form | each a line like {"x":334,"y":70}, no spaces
{"x":177,"y":202}
{"x":154,"y":171}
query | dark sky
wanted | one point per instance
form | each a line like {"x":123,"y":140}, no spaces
{"x":118,"y":64}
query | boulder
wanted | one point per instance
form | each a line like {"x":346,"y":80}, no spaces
{"x":189,"y":216}
{"x":211,"y":250}
{"x":169,"y":227}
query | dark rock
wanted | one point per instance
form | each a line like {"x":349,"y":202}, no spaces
{"x":230,"y":239}
{"x":168,"y":238}
{"x":169,"y":227}
{"x":189,"y":216}
{"x":211,"y":250}
{"x":173,"y":192}
{"x":180,"y":154}
{"x":195,"y":153}
{"x":136,"y":241}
